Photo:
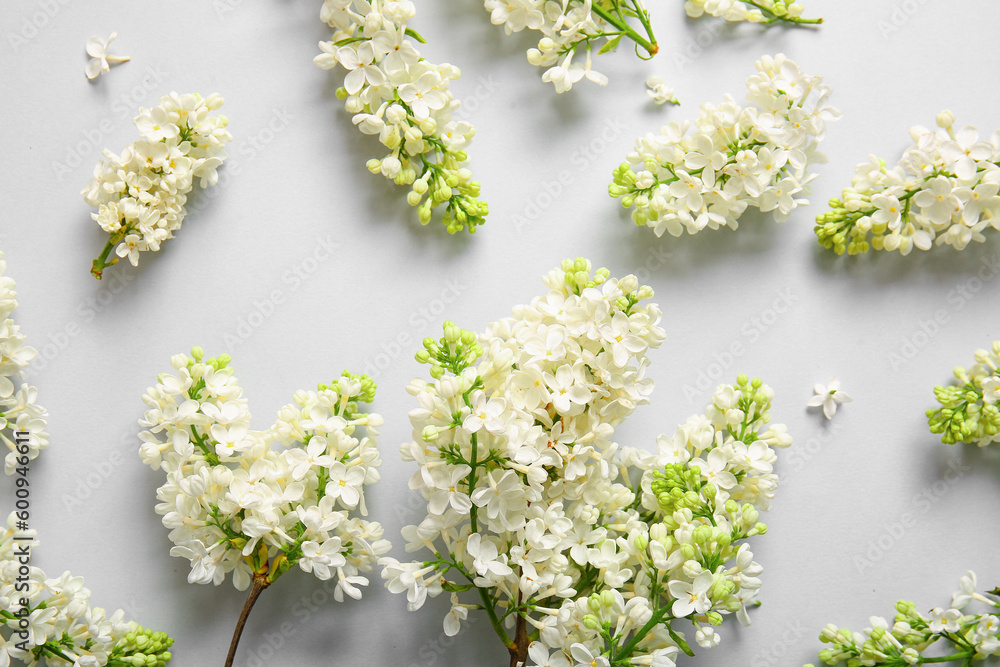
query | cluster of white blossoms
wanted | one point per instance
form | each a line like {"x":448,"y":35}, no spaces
{"x":570,"y":32}
{"x":50,"y":621}
{"x":257,"y":503}
{"x":970,"y":408}
{"x":734,"y":157}
{"x":22,"y":420}
{"x":751,"y":11}
{"x":405,"y":100}
{"x":141,"y":194}
{"x":944,"y":190}
{"x":970,"y":637}
{"x":580,"y":551}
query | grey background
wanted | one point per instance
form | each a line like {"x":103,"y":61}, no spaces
{"x":846,"y":485}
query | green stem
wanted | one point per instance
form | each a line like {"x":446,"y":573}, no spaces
{"x":656,"y":619}
{"x":210,"y":457}
{"x":100,"y":263}
{"x":488,"y":605}
{"x":46,"y":648}
{"x":491,"y":612}
{"x":947,"y":658}
{"x":648,"y":44}
{"x":471,"y":481}
{"x":643,"y":17}
{"x":798,"y":20}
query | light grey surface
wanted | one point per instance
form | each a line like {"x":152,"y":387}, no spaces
{"x":845,"y":484}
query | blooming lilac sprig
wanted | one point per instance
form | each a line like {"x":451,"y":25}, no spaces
{"x":969,"y":410}
{"x":971,"y":637}
{"x":398,"y":95}
{"x":580,"y":551}
{"x":944,"y":190}
{"x":734,"y":158}
{"x":572,"y":31}
{"x":751,"y":11}
{"x":258,"y":503}
{"x":62,"y":628}
{"x":22,"y":420}
{"x":141,"y":194}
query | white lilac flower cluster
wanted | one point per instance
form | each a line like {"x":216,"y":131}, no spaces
{"x":751,"y":11}
{"x":141,"y":194}
{"x":405,"y":100}
{"x":580,"y":551}
{"x":734,"y":158}
{"x":50,"y":621}
{"x":573,"y":30}
{"x":257,"y":503}
{"x":969,"y":637}
{"x":944,"y":190}
{"x":969,"y":410}
{"x":22,"y":420}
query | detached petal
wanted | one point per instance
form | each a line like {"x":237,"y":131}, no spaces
{"x":94,"y":68}
{"x":96,"y":47}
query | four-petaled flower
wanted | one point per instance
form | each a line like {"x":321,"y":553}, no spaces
{"x":829,"y":397}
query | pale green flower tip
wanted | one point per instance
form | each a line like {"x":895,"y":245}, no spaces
{"x":197,"y":353}
{"x":591,"y":622}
